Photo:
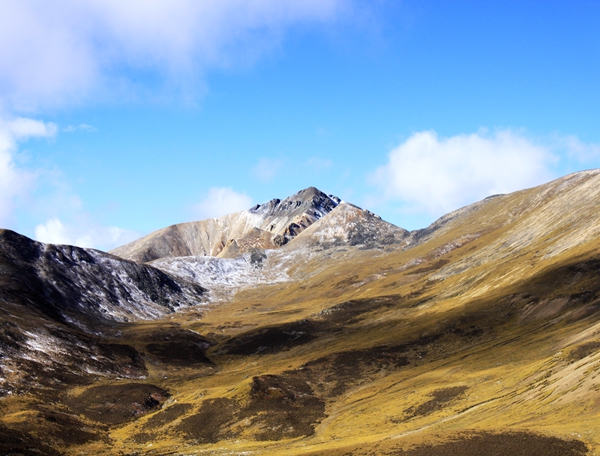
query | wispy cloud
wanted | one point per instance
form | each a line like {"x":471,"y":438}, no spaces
{"x":83,"y":234}
{"x":23,"y":128}
{"x":53,"y":54}
{"x":267,"y":169}
{"x":220,"y":201}
{"x":576,"y":149}
{"x":61,"y":216}
{"x":16,"y":182}
{"x":67,"y":222}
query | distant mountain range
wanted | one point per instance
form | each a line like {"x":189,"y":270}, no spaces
{"x":311,"y":326}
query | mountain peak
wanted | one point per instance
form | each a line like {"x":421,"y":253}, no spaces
{"x":287,"y":218}
{"x":313,"y":192}
{"x":308,"y":193}
{"x":311,"y":199}
{"x":263,"y":226}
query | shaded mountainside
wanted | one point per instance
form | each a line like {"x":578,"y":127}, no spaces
{"x":61,"y":305}
{"x":477,"y":335}
{"x":72,"y":284}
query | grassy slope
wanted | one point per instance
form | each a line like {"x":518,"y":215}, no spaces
{"x":494,"y":329}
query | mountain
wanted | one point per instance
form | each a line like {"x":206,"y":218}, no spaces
{"x":264,"y":226}
{"x":59,"y":304}
{"x":348,"y":335}
{"x":348,"y":225}
{"x":72,"y":284}
{"x":309,"y":224}
{"x":346,"y":229}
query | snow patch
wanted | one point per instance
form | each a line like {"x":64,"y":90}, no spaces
{"x":225,"y":276}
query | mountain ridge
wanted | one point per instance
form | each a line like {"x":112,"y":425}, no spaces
{"x":264,"y":226}
{"x":475,"y":335}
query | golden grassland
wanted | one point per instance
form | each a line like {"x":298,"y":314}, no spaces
{"x":493,"y":329}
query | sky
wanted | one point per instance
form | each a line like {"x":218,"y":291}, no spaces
{"x":119,"y":118}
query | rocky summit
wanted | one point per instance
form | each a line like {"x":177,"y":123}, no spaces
{"x":265,"y":226}
{"x":310,"y":326}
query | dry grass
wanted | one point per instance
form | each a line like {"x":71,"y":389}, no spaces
{"x":370,"y":355}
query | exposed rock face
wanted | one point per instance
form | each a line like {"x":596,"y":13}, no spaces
{"x":265,"y":226}
{"x":290,"y":217}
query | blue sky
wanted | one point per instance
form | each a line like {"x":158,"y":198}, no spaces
{"x":119,"y":118}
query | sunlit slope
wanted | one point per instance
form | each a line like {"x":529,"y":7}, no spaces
{"x":389,"y":372}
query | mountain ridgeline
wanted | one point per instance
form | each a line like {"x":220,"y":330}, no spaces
{"x":265,"y":226}
{"x":309,"y":326}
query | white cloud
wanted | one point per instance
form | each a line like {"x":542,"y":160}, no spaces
{"x":52,"y":232}
{"x":267,"y":168}
{"x":83,"y":235}
{"x":66,"y":221}
{"x":52,"y":54}
{"x":435,"y":175}
{"x":576,"y":149}
{"x":23,"y":128}
{"x":16,"y":183}
{"x":20,"y":188}
{"x":222,"y":201}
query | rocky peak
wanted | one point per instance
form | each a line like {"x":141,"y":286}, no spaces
{"x":310,"y":200}
{"x":289,"y":217}
{"x":264,"y":226}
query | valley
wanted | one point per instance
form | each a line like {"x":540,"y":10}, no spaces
{"x":333,"y":333}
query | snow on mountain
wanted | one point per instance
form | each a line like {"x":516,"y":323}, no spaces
{"x":225,"y":276}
